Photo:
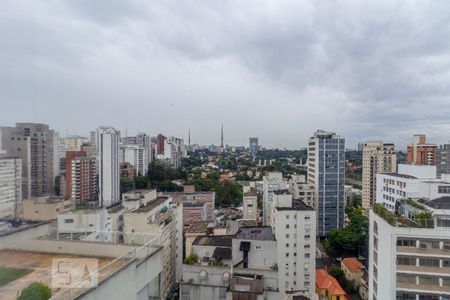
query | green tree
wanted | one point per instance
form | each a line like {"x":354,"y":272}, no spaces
{"x":191,"y":259}
{"x":168,"y":186}
{"x":35,"y":291}
{"x":126,"y":185}
{"x":229,"y":192}
{"x":142,"y":182}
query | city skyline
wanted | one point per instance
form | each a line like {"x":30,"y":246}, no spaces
{"x":370,"y":71}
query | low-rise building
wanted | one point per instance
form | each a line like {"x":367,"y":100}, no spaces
{"x":353,"y":270}
{"x":45,"y":208}
{"x":327,"y":287}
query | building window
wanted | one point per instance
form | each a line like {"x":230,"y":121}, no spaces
{"x":406,"y":243}
{"x":287,"y":226}
{"x":287,"y":245}
{"x":68,"y":221}
{"x":287,"y":236}
{"x":287,"y":254}
{"x":307,"y":255}
{"x":258,"y":247}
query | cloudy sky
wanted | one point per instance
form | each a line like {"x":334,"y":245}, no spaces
{"x":278,"y":70}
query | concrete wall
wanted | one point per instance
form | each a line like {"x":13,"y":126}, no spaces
{"x":10,"y":240}
{"x":258,"y":259}
{"x":127,"y":283}
{"x":72,"y":247}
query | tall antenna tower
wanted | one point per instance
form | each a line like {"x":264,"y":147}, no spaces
{"x":221,"y":136}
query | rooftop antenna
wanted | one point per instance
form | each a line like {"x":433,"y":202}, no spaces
{"x":221,"y":136}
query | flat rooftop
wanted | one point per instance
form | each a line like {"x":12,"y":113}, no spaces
{"x":255,"y":233}
{"x":6,"y":227}
{"x":151,"y":205}
{"x":296,"y":205}
{"x":41,"y":264}
{"x":282,"y":192}
{"x":199,"y":227}
{"x":438,"y":203}
{"x":400,"y":175}
{"x":215,"y":240}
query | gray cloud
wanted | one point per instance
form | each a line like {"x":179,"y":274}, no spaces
{"x":279,"y":70}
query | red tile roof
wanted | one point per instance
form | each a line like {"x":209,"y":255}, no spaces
{"x":328,"y":282}
{"x":353,"y":264}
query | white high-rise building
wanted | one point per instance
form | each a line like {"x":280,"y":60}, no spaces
{"x":10,"y":185}
{"x":271,"y":182}
{"x":294,"y":225}
{"x":108,"y":166}
{"x":137,"y":155}
{"x":378,"y":157}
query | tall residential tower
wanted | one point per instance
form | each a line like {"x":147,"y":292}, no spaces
{"x":108,"y":166}
{"x":326,"y":171}
{"x":378,"y":157}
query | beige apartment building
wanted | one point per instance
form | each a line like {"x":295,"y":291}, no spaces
{"x":378,"y":157}
{"x":45,"y":208}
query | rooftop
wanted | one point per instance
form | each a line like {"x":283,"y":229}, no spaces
{"x":151,"y":205}
{"x":8,"y":227}
{"x":222,"y":253}
{"x":353,"y":264}
{"x":41,"y":264}
{"x":438,"y":203}
{"x":251,"y":193}
{"x":199,"y":227}
{"x":400,"y":175}
{"x":255,"y":233}
{"x":296,"y":205}
{"x":328,"y":282}
{"x":215,"y":240}
{"x":282,"y":192}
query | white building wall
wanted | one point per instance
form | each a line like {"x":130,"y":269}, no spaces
{"x":10,"y":185}
{"x":108,"y":166}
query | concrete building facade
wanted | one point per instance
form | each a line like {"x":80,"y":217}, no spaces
{"x":378,"y":157}
{"x":294,"y":226}
{"x":33,"y":143}
{"x":271,"y":182}
{"x":250,"y":205}
{"x":10,"y":186}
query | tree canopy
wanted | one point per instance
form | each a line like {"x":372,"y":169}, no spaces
{"x":35,"y":291}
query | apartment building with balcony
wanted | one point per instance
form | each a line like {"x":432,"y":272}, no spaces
{"x":378,"y":157}
{"x":409,"y":258}
{"x":83,"y":179}
{"x":159,"y":218}
{"x":302,"y":190}
{"x":34,"y":144}
{"x":419,"y":152}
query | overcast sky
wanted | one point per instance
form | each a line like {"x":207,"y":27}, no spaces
{"x":278,"y":70}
